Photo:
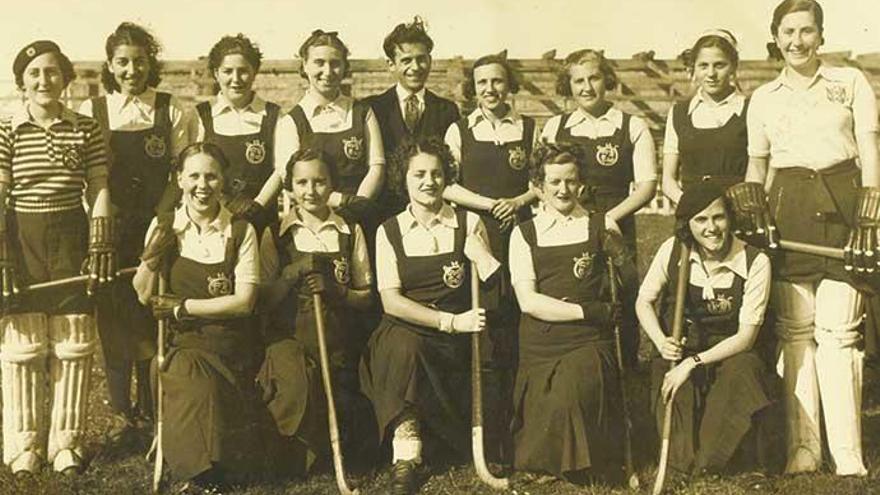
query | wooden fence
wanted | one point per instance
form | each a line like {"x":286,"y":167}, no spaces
{"x":647,"y":87}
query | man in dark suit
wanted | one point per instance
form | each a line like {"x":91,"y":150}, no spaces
{"x":408,"y":108}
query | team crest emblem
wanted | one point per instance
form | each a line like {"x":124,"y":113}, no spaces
{"x":353,"y":148}
{"x":582,"y":265}
{"x":720,"y":305}
{"x":255,"y":152}
{"x":341,"y":271}
{"x":72,"y":157}
{"x":608,"y":154}
{"x":516,"y":157}
{"x":836,"y":94}
{"x":219,"y":285}
{"x":154,"y":146}
{"x":453,"y":275}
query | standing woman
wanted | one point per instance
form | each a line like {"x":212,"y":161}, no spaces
{"x":243,"y":125}
{"x":415,"y":367}
{"x":344,"y":129}
{"x":144,"y":129}
{"x":567,"y":402}
{"x":813,"y":145}
{"x":51,"y":159}
{"x":211,"y":264}
{"x":706,"y":136}
{"x":619,"y":150}
{"x":492,"y":146}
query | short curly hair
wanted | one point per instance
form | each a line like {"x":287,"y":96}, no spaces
{"x":407,"y":32}
{"x":306,"y":154}
{"x":129,"y":33}
{"x":320,"y":37}
{"x":470,"y":91}
{"x":554,"y":154}
{"x":398,"y":163}
{"x":233,"y":45}
{"x":587,"y":55}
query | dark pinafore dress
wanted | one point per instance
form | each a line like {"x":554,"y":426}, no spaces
{"x":410,"y":367}
{"x":567,"y":402}
{"x":716,"y":155}
{"x":251,"y":158}
{"x":207,"y":373}
{"x":718,"y":405}
{"x":609,"y":170}
{"x":290,"y":377}
{"x":140,"y":167}
{"x":347,"y":154}
{"x":608,"y":178}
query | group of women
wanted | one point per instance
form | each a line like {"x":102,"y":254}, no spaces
{"x":534,"y":219}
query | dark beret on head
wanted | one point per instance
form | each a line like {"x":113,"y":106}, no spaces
{"x":33,"y":50}
{"x":696,"y":198}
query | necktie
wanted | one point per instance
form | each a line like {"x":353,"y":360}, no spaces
{"x":411,"y":114}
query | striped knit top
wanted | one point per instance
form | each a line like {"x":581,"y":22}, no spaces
{"x":46,"y":169}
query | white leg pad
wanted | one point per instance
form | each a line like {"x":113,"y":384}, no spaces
{"x":407,"y":443}
{"x":73,"y":343}
{"x":23,"y":348}
{"x":839,"y":364}
{"x":795,"y":312}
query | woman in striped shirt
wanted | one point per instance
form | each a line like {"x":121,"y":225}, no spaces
{"x":49,"y":158}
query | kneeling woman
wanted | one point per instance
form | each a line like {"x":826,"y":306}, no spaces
{"x":211,"y":264}
{"x":721,"y":382}
{"x":415,"y":368}
{"x":567,"y":403}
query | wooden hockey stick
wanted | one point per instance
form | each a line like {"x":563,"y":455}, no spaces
{"x":159,"y":461}
{"x":631,"y":475}
{"x":681,"y":286}
{"x":480,"y":466}
{"x":78,"y":279}
{"x":338,"y":465}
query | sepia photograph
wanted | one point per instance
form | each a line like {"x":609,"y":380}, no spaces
{"x":262,"y":247}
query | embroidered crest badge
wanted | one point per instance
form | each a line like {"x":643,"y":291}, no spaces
{"x":517,"y":158}
{"x":720,"y":305}
{"x":453,"y":275}
{"x":154,"y":146}
{"x":255,"y":152}
{"x":582,"y":265}
{"x":836,"y":93}
{"x":219,"y":284}
{"x":71,"y":157}
{"x":607,"y":154}
{"x":341,"y":271}
{"x":353,"y":148}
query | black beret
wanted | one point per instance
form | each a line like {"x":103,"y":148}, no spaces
{"x":696,"y":198}
{"x":33,"y":50}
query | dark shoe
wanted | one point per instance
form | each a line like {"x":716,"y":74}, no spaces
{"x":121,"y":428}
{"x":403,"y":478}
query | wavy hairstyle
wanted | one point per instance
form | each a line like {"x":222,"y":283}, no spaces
{"x":320,"y":37}
{"x":470,"y":91}
{"x":587,"y":55}
{"x":129,"y":33}
{"x":407,"y":32}
{"x":398,"y":163}
{"x":233,"y":45}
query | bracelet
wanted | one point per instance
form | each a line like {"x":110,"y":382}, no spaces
{"x":180,"y":312}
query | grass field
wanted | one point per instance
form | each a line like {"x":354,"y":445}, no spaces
{"x":123,"y":471}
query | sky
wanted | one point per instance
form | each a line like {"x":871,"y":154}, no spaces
{"x":527,"y":28}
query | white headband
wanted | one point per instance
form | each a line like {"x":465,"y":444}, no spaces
{"x":721,"y":33}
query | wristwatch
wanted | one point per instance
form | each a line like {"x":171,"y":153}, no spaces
{"x":697,"y":361}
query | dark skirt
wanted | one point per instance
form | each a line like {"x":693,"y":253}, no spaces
{"x":714,"y":410}
{"x":127,"y":328}
{"x":567,"y":403}
{"x":406,"y":367}
{"x":210,"y":414}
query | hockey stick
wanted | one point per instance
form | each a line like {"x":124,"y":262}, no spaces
{"x":631,"y":475}
{"x":338,"y":466}
{"x":160,"y":403}
{"x":477,"y":398}
{"x":78,"y":279}
{"x":681,"y":286}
